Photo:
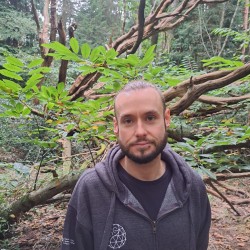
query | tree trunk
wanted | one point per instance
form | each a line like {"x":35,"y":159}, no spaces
{"x":245,"y":24}
{"x":66,"y":154}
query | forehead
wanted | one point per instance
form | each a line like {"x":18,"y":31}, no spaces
{"x":140,"y":100}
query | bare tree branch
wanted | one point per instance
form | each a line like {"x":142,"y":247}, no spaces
{"x":181,"y":89}
{"x":222,"y":100}
{"x":141,"y":20}
{"x":197,"y":90}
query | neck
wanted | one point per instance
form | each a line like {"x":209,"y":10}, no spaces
{"x":146,"y":172}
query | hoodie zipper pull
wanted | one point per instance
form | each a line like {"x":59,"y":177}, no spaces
{"x":154,"y":226}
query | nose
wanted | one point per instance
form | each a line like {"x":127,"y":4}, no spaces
{"x":140,"y":129}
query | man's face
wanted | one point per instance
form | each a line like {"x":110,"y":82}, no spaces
{"x":140,"y":124}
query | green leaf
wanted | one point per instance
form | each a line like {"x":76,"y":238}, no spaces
{"x":33,"y":80}
{"x":26,"y":111}
{"x":15,"y":61}
{"x":14,"y":86}
{"x":200,"y":141}
{"x":12,"y":67}
{"x":98,"y":54}
{"x":85,"y":50}
{"x":208,"y":172}
{"x":111,"y":54}
{"x":70,"y":126}
{"x":87,"y":69}
{"x":133,"y":59}
{"x":45,"y":92}
{"x":35,"y":63}
{"x":74,"y":45}
{"x":113,"y":73}
{"x":172,"y":81}
{"x":61,"y":51}
{"x":185,"y":147}
{"x":60,"y":87}
{"x":58,"y":47}
{"x":95,"y":53}
{"x":10,"y":74}
{"x":19,"y":107}
{"x":40,"y":70}
{"x":50,"y":105}
{"x":209,"y":160}
{"x":148,"y":57}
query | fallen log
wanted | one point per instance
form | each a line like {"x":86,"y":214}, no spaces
{"x":37,"y":197}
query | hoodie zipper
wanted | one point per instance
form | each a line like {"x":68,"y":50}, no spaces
{"x":154,"y":226}
{"x":152,"y":222}
{"x":154,"y":233}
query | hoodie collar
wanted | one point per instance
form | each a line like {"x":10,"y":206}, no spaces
{"x":181,"y":179}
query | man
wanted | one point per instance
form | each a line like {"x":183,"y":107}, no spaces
{"x":144,"y":196}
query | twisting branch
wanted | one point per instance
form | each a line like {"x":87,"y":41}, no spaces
{"x":141,"y":20}
{"x":181,"y":89}
{"x":198,"y":90}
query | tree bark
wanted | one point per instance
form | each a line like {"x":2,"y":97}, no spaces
{"x":66,"y":155}
{"x":29,"y":200}
{"x":245,"y":24}
{"x":195,"y":91}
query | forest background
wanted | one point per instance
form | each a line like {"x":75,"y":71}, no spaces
{"x":61,"y":63}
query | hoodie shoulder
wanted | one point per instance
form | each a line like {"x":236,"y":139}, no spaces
{"x":89,"y":176}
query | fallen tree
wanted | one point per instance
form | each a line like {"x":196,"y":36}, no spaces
{"x":58,"y":185}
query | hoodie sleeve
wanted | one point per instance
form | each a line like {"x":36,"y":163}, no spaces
{"x":204,"y":219}
{"x":75,"y":236}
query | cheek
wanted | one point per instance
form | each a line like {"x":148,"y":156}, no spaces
{"x":125,"y":134}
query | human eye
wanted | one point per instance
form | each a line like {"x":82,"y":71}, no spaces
{"x":150,"y":118}
{"x":127,"y":121}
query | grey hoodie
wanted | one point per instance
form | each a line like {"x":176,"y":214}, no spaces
{"x":103,"y":214}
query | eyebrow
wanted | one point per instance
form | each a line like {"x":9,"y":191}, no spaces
{"x":155,"y":112}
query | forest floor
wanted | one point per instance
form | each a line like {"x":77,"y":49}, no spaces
{"x":41,"y":228}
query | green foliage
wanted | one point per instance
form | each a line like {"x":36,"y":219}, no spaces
{"x":18,"y":87}
{"x":98,"y":22}
{"x":15,"y":27}
{"x":218,"y":62}
{"x":189,"y":64}
{"x":241,"y":37}
{"x":91,"y":119}
{"x":197,"y":36}
{"x":227,"y":133}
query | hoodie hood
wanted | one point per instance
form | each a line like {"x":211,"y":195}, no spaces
{"x":181,"y":177}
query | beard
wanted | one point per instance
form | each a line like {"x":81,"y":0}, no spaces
{"x":143,"y":157}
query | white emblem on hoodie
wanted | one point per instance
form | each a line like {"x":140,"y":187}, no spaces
{"x":118,"y":237}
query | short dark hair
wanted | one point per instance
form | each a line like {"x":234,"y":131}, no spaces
{"x":137,"y":85}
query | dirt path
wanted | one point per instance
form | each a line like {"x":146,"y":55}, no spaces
{"x":42,"y":227}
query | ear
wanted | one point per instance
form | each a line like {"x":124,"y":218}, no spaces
{"x":116,"y":128}
{"x":167,"y":117}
